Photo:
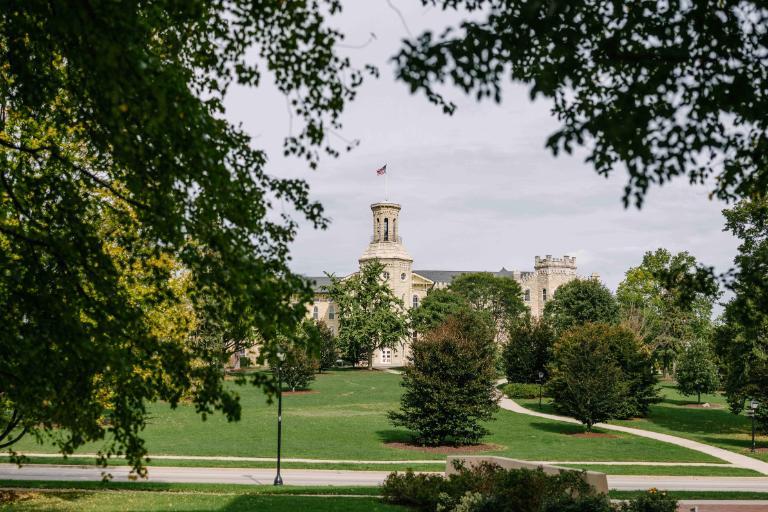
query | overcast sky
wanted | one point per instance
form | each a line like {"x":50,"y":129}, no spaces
{"x":479,"y":191}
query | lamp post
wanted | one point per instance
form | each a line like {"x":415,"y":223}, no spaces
{"x":541,"y":380}
{"x":280,"y":359}
{"x":753,"y":405}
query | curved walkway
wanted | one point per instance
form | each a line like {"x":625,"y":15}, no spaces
{"x":736,"y":459}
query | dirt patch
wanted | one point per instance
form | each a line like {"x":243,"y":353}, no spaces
{"x":8,"y":496}
{"x":590,"y":435}
{"x":757,"y":450}
{"x":703,"y":406}
{"x":301,"y":392}
{"x":447,"y":450}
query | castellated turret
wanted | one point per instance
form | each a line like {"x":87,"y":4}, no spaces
{"x":548,"y":275}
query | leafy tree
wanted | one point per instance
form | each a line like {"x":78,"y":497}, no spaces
{"x":742,"y":341}
{"x":297,"y":370}
{"x":651,"y":90}
{"x":528,"y":350}
{"x":136,"y":130}
{"x":581,"y":301}
{"x":329,"y":350}
{"x":499,"y":297}
{"x":370,"y":316}
{"x":652,"y":293}
{"x":585,"y":381}
{"x":696,"y":372}
{"x":438,"y":305}
{"x":450,"y":382}
{"x":601,"y":371}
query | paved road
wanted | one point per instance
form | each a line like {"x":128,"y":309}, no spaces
{"x":340,"y":478}
{"x":736,"y":459}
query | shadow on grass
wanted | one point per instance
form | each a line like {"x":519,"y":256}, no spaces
{"x":394,"y":436}
{"x":700,"y":421}
{"x":560,"y":428}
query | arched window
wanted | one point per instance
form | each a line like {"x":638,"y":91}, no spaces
{"x":544,"y":294}
{"x":386,"y":229}
{"x":331,"y":312}
{"x":527,"y":295}
{"x":394,"y":230}
{"x":314,"y":313}
{"x":415,"y":301}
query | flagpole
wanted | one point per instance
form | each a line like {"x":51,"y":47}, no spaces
{"x":386,"y":188}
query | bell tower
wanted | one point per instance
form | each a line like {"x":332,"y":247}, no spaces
{"x":387,"y":247}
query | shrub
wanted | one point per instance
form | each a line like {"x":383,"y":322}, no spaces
{"x":651,"y":501}
{"x":523,"y":390}
{"x":329,"y":350}
{"x":298,"y":370}
{"x":450,"y":382}
{"x":528,"y":350}
{"x":490,"y":488}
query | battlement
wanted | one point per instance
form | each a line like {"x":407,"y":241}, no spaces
{"x":548,"y":262}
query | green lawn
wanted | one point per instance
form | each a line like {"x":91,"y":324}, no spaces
{"x":346,"y":420}
{"x":84,"y":501}
{"x":715,"y":426}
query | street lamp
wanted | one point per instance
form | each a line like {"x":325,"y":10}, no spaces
{"x":753,"y":405}
{"x":280,"y":359}
{"x":541,"y":380}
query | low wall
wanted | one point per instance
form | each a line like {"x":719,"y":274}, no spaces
{"x":597,"y":480}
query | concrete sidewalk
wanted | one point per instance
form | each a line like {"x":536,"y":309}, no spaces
{"x":736,"y":459}
{"x":251,"y":476}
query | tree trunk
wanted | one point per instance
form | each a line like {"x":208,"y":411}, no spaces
{"x":698,"y":399}
{"x":370,"y":359}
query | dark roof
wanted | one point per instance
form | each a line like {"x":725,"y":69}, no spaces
{"x":446,"y":276}
{"x":319,"y":284}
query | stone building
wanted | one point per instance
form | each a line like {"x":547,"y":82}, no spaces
{"x":412,"y":286}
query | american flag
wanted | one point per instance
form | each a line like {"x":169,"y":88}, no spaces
{"x":381,"y":171}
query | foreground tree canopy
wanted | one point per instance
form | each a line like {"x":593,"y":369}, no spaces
{"x":119,"y":176}
{"x":660,"y":89}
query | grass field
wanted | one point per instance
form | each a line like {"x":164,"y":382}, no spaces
{"x":716,"y":426}
{"x":346,"y":420}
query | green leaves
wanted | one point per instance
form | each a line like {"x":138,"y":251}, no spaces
{"x":662,"y":93}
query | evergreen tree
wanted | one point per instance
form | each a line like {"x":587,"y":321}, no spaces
{"x":696,"y":371}
{"x":329,"y":350}
{"x":450,"y":382}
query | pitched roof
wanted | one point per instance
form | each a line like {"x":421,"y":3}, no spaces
{"x":446,"y":276}
{"x":319,"y":283}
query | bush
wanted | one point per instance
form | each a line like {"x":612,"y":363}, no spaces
{"x":329,"y":350}
{"x":450,"y":382}
{"x":651,"y":501}
{"x":298,"y":370}
{"x":523,"y":390}
{"x":490,"y":488}
{"x":528,"y":350}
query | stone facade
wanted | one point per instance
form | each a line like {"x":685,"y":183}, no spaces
{"x":411,"y":286}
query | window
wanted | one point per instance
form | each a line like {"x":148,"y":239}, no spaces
{"x":402,"y":276}
{"x":415,"y":301}
{"x":385,"y":274}
{"x":386,"y":229}
{"x":544,"y":294}
{"x":314,"y":313}
{"x":386,"y":356}
{"x":331,"y":312}
{"x":527,"y":297}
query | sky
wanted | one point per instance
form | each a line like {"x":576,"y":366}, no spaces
{"x":479,"y":190}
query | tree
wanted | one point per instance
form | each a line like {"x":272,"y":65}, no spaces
{"x":136,"y":130}
{"x":528,"y":350}
{"x":500,"y":297}
{"x":581,"y":301}
{"x":573,"y":374}
{"x":370,"y":316}
{"x":741,"y":342}
{"x":438,"y":305}
{"x":450,"y":382}
{"x":329,"y":350}
{"x":653,"y":91}
{"x":696,"y":372}
{"x":297,"y":370}
{"x":651,"y":293}
{"x":586,"y":382}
